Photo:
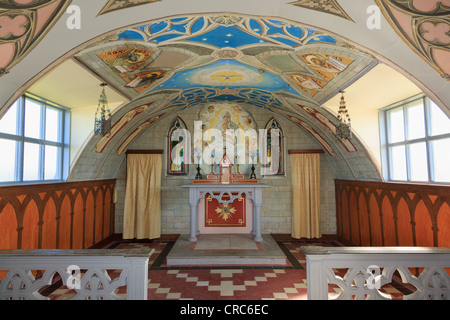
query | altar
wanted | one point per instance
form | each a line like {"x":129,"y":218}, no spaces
{"x":226,"y":194}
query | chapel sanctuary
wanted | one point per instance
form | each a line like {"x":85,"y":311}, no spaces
{"x":225,"y":150}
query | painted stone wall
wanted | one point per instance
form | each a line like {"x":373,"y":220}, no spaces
{"x":277,"y":200}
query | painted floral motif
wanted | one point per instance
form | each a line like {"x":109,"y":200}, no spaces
{"x":225,"y":211}
{"x":13,"y":27}
{"x":225,"y":214}
{"x":20,"y":32}
{"x":435,"y":32}
{"x":430,"y":5}
{"x":425,"y":26}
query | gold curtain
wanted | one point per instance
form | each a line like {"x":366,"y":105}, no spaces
{"x":142,"y":212}
{"x":305,"y":170}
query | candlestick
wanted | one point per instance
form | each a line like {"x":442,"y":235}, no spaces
{"x":198,"y":175}
{"x":212,"y":164}
{"x":253,"y":175}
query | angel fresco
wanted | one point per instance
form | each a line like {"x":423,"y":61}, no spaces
{"x":326,"y":65}
{"x":143,"y":80}
{"x":125,"y":60}
{"x":228,"y":117}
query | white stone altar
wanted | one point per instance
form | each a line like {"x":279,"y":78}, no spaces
{"x":252,"y":192}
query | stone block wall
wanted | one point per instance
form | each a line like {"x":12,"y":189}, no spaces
{"x":277,"y":204}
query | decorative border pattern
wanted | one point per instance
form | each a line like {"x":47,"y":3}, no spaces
{"x":225,"y":215}
{"x":136,"y":132}
{"x":424,"y":26}
{"x":21,"y":29}
{"x":118,"y":126}
{"x":329,"y":126}
{"x":261,"y":30}
{"x":314,"y":133}
{"x":114,"y":5}
{"x":326,"y":6}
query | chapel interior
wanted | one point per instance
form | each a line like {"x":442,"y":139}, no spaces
{"x":113,"y":114}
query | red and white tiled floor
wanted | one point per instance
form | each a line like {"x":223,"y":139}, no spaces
{"x":223,"y":282}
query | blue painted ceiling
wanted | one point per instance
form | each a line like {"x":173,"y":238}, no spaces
{"x":186,"y":55}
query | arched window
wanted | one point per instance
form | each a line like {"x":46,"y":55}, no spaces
{"x":274,"y":150}
{"x":178,"y":148}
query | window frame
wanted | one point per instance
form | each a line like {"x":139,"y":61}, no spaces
{"x":172,"y":127}
{"x":62,"y":143}
{"x":268,"y":126}
{"x":386,"y":145}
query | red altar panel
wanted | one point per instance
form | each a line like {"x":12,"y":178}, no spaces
{"x":225,"y":215}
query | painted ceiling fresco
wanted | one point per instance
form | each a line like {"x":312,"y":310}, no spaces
{"x":21,"y":30}
{"x":227,"y":31}
{"x":225,"y":59}
{"x":225,"y":52}
{"x":166,"y":65}
{"x":227,"y":74}
{"x":425,"y":26}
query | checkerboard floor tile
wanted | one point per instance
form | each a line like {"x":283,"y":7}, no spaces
{"x":222,"y":283}
{"x":253,"y":284}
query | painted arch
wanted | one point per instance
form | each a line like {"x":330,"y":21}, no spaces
{"x":286,"y":58}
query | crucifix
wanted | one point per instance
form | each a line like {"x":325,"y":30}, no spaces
{"x":225,"y":168}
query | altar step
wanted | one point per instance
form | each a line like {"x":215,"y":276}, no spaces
{"x":226,"y":250}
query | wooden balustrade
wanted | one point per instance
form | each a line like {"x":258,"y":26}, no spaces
{"x":392,"y":214}
{"x":71,"y":215}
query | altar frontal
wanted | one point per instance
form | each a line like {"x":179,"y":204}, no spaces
{"x":229,"y":218}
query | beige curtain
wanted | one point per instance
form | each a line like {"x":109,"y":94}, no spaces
{"x":305,"y":169}
{"x":142,"y":212}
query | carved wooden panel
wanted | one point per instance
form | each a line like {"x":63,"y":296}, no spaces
{"x":392,"y":214}
{"x":73,"y":215}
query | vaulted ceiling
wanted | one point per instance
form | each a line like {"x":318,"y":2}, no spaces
{"x":224,"y":57}
{"x":157,"y":66}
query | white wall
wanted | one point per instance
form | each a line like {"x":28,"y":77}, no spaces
{"x":379,"y":88}
{"x":81,"y":127}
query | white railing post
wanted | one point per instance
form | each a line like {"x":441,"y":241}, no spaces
{"x":368,"y":269}
{"x":137,"y":289}
{"x":84,"y":271}
{"x":316,"y":279}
